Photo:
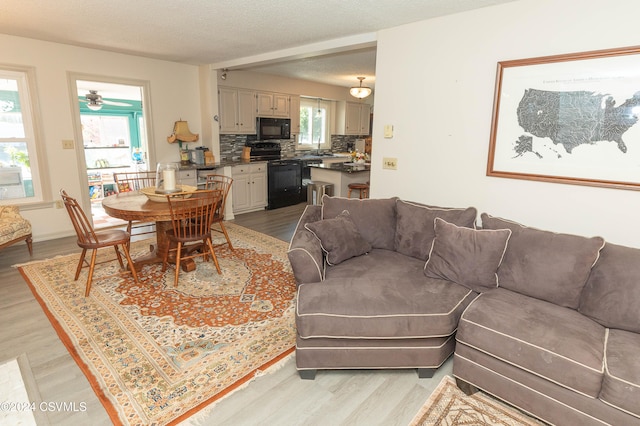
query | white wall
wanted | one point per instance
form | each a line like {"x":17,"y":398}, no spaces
{"x":435,"y":84}
{"x":175,"y":94}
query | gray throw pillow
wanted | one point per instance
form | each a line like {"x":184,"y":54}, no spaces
{"x":339,"y":238}
{"x":414,"y":226}
{"x":374,"y":218}
{"x":468,"y":257}
{"x":544,"y":264}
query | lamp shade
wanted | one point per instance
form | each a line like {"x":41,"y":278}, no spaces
{"x":181,"y":133}
{"x":361,"y":91}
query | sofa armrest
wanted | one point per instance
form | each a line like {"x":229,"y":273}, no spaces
{"x":305,"y":252}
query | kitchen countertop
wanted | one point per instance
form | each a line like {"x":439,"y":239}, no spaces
{"x":344,"y":167}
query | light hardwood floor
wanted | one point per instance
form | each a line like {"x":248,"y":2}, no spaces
{"x":279,"y":397}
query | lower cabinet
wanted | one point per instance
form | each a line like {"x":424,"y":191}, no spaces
{"x":188,"y":177}
{"x":249,"y":189}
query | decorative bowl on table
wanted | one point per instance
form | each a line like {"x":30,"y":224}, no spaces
{"x":185,"y":191}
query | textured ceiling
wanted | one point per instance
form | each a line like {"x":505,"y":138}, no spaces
{"x":215,"y":31}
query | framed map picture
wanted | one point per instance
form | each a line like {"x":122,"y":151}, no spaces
{"x":569,"y":119}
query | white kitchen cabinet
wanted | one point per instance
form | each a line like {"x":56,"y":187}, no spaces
{"x":188,"y":177}
{"x":249,"y":187}
{"x":273,"y":105}
{"x":237,"y":111}
{"x":353,"y":118}
{"x":294,"y":106}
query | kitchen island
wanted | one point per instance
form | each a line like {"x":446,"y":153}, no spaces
{"x":341,"y":175}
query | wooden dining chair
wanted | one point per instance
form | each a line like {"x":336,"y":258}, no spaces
{"x":223,"y":183}
{"x":89,"y":239}
{"x":135,"y":181}
{"x":191,"y":220}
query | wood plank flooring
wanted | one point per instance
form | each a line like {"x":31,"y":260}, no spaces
{"x":279,"y":397}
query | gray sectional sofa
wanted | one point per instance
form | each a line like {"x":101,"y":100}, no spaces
{"x":548,"y":322}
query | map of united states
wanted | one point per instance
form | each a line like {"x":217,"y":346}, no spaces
{"x":574,"y":118}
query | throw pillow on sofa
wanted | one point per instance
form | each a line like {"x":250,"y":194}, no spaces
{"x":374,"y":218}
{"x":339,"y":238}
{"x":468,"y":257}
{"x":415,"y":232}
{"x":612,"y":293}
{"x":546,"y":265}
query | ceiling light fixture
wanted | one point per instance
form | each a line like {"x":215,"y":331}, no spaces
{"x":360,"y":92}
{"x":224,"y":73}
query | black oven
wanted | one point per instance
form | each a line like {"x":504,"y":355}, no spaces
{"x":284,"y":182}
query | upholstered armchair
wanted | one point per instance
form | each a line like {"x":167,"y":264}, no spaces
{"x":14,"y":228}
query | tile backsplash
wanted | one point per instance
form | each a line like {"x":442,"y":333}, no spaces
{"x":231,"y":145}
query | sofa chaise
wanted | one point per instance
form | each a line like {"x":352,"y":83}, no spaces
{"x":548,"y":322}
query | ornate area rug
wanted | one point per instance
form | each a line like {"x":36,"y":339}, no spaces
{"x":449,"y":406}
{"x":155,"y":353}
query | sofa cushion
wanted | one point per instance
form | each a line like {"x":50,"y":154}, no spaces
{"x":466,"y":256}
{"x":378,"y":264}
{"x":415,"y":232}
{"x":339,"y":238}
{"x":612,"y":293}
{"x":621,"y":385}
{"x":545,"y":265}
{"x":556,"y":343}
{"x":305,"y":254}
{"x":374,"y":218}
{"x":356,"y":308}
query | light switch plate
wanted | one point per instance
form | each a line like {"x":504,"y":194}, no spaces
{"x":390,"y":163}
{"x":388,"y":131}
{"x":67,"y":144}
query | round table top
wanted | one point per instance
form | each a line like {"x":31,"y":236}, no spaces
{"x":135,"y":206}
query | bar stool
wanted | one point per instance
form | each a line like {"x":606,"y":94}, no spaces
{"x":362,"y":188}
{"x":320,"y":188}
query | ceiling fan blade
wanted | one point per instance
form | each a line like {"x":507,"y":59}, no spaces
{"x":106,"y":102}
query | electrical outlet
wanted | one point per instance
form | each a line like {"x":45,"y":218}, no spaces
{"x":390,"y":163}
{"x":58,"y":204}
{"x":67,"y":144}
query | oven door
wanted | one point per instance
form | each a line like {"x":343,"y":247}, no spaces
{"x":285,"y":183}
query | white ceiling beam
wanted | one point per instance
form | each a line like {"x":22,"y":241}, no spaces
{"x":321,"y":48}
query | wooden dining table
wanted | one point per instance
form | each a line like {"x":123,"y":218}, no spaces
{"x":136,"y":206}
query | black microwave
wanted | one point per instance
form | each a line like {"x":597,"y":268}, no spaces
{"x":273,"y":128}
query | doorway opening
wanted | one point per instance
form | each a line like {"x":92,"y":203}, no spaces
{"x":114,"y":139}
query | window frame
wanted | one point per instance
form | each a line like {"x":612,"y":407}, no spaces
{"x":27,"y":91}
{"x":313,"y":103}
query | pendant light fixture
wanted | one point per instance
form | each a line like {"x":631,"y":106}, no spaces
{"x":361,"y":91}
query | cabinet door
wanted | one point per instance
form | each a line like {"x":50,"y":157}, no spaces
{"x":265,"y":104}
{"x":246,"y":112}
{"x":365,"y":120}
{"x":258,"y":189}
{"x":228,"y":110}
{"x":294,"y":107}
{"x":241,"y":192}
{"x":280,"y":105}
{"x":352,"y":119}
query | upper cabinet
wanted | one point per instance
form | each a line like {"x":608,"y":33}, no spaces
{"x":273,"y":105}
{"x":353,"y":118}
{"x":295,"y":114}
{"x":237,"y":109}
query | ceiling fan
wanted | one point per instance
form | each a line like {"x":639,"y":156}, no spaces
{"x":94,"y":101}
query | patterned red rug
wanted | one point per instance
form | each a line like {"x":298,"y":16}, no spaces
{"x":155,"y":353}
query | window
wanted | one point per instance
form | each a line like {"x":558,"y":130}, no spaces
{"x":19,"y":177}
{"x":314,"y":124}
